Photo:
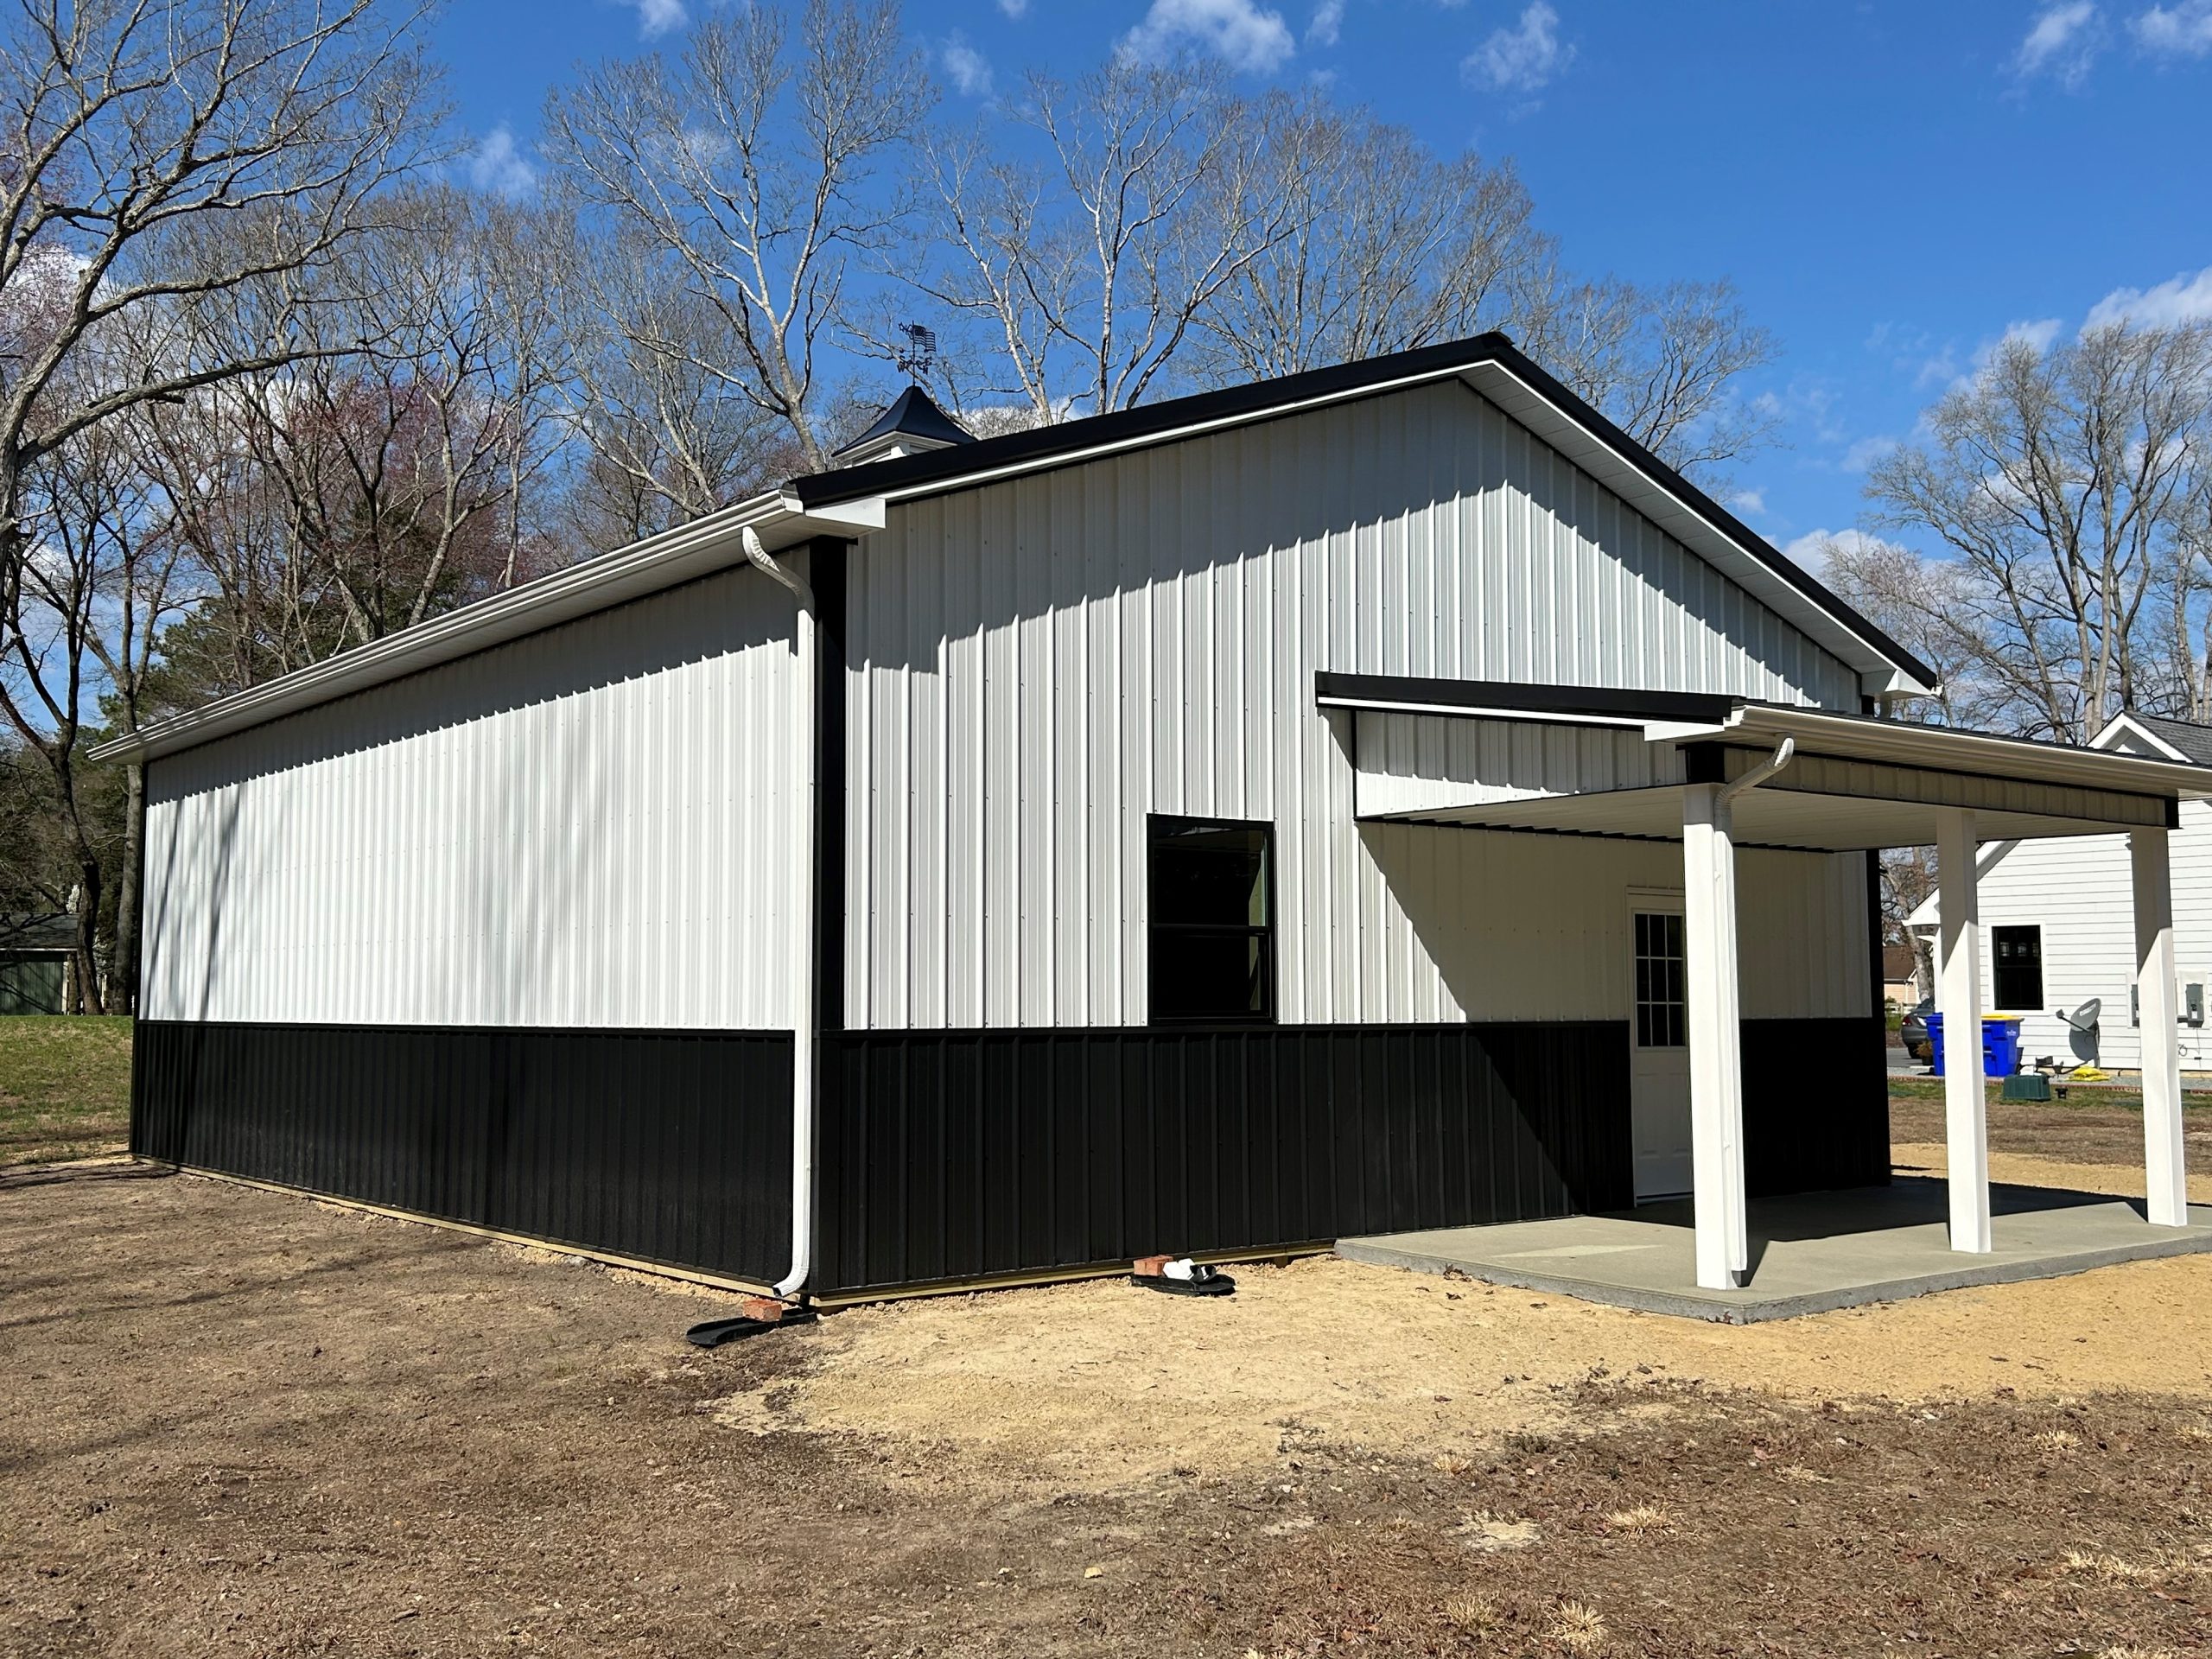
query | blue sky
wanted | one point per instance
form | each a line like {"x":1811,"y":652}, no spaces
{"x":1892,"y":185}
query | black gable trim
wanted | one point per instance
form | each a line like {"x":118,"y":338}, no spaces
{"x":1146,"y":420}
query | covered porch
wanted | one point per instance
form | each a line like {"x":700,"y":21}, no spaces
{"x":1809,"y":1253}
{"x":1715,"y":772}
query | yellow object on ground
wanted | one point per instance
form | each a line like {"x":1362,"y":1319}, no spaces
{"x":2090,"y":1074}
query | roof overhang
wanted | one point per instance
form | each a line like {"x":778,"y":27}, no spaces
{"x":1590,"y":761}
{"x":682,"y":554}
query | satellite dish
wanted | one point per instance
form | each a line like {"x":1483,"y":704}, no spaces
{"x":2085,"y":1017}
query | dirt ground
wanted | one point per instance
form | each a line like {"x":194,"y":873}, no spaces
{"x":242,"y":1423}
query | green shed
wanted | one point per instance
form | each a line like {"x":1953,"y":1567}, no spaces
{"x":34,"y":952}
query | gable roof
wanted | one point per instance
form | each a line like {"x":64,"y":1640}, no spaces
{"x":2178,"y":740}
{"x":1491,"y":365}
{"x":851,"y":501}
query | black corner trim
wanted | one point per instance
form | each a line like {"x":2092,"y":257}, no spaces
{"x":1523,"y":697}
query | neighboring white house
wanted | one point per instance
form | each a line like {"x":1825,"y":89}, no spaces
{"x":2059,"y":931}
{"x":1302,"y":809}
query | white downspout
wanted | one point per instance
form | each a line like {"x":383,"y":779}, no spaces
{"x":804,"y":1012}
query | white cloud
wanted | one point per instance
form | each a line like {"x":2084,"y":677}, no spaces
{"x":970,"y":69}
{"x":2063,"y":43}
{"x":1327,"y":25}
{"x":1748,"y":501}
{"x":1014,"y":9}
{"x":656,"y":17}
{"x":1249,"y":40}
{"x":499,"y":167}
{"x":1859,"y":456}
{"x":2182,"y":299}
{"x":1811,"y":551}
{"x":2180,"y":31}
{"x":1523,"y":58}
{"x":2038,"y":334}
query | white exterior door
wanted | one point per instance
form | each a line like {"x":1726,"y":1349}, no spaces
{"x":1659,"y":1055}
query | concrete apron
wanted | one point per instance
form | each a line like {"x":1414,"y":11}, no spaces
{"x":1811,"y":1252}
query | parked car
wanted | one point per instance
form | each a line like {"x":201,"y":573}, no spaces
{"x":1912,"y":1030}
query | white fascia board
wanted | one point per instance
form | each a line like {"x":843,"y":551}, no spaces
{"x":2126,"y":725}
{"x":689,"y":551}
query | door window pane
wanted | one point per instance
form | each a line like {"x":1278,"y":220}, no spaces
{"x":1661,"y":1018}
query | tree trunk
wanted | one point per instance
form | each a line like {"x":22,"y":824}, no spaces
{"x":124,"y":974}
{"x":87,"y":1000}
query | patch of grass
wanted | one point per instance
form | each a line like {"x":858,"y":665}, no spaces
{"x":65,"y":1087}
{"x":2080,"y":1096}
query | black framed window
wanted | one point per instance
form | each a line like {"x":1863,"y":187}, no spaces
{"x":2017,"y":953}
{"x":1213,"y":932}
{"x":1661,"y":991}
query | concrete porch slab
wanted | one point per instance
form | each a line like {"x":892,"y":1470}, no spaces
{"x":1810,"y":1252}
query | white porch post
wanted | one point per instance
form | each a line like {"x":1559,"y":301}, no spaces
{"x":1958,"y":996}
{"x":2166,"y":1185}
{"x":1716,"y":1052}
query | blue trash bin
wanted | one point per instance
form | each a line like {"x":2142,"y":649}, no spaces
{"x":2000,"y":1046}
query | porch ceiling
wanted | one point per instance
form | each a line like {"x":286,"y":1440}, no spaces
{"x":1764,"y":817}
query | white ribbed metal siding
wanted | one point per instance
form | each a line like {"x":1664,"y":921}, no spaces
{"x":1037,"y":664}
{"x":1422,"y":763}
{"x":589,"y":827}
{"x":2079,"y":892}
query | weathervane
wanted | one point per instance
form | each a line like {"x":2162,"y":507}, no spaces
{"x":920,"y":355}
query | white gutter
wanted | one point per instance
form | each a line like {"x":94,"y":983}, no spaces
{"x":804,"y":1012}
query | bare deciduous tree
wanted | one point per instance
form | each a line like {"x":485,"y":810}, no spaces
{"x":750,"y":164}
{"x":1385,"y":246}
{"x":1153,"y":197}
{"x":662,"y":438}
{"x":2063,"y":481}
{"x":126,"y":127}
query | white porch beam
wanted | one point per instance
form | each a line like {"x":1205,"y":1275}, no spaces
{"x":2166,"y":1185}
{"x":1958,"y":996}
{"x":1716,"y":1040}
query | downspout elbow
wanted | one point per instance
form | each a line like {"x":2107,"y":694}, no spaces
{"x":1784,"y":752}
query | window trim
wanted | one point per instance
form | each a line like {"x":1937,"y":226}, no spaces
{"x":1155,"y":824}
{"x":1999,"y":1004}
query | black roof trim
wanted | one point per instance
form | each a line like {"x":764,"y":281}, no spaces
{"x":914,"y":413}
{"x":1520,"y":697}
{"x":1145,"y":420}
{"x":1043,"y":444}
